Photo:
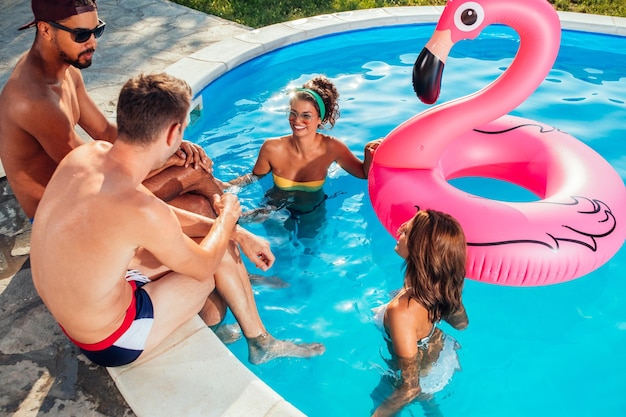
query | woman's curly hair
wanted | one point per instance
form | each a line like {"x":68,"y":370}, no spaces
{"x":329,"y":94}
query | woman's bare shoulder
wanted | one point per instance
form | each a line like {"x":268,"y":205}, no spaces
{"x":329,"y":139}
{"x":400,"y":304}
{"x":334,"y":144}
{"x":276,"y":142}
{"x":406,"y":308}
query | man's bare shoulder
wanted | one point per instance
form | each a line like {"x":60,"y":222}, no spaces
{"x":17,"y":106}
{"x":25,"y":78}
{"x":30,"y":115}
{"x":29,"y":79}
{"x":25,"y":90}
{"x":87,"y":182}
{"x":14,"y":99}
{"x":38,"y":114}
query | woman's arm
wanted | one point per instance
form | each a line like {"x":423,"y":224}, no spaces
{"x":345,"y":158}
{"x":368,"y":155}
{"x":407,"y":391}
{"x":400,"y":323}
{"x":458,"y":319}
{"x":348,"y":161}
{"x":243,"y":180}
{"x":261,"y":167}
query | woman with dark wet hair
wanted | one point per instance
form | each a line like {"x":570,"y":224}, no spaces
{"x":434,"y":249}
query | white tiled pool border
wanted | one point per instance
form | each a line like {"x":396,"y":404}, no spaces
{"x":193,"y":365}
{"x":201,"y":68}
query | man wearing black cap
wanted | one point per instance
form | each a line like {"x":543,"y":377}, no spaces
{"x":45,"y":98}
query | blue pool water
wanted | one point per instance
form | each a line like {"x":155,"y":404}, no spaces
{"x":547,"y":351}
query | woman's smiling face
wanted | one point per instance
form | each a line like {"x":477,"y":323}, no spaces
{"x":303,"y":117}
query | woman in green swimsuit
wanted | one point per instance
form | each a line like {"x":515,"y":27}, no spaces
{"x":299,"y":162}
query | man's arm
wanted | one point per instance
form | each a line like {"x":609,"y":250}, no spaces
{"x":254,"y":247}
{"x":408,"y":390}
{"x":195,"y":156}
{"x":91,"y":119}
{"x":53,"y":125}
{"x":160,"y":234}
{"x":189,"y":155}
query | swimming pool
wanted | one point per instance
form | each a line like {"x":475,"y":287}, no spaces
{"x":554,"y":350}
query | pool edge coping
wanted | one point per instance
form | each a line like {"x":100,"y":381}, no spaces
{"x":206,"y":65}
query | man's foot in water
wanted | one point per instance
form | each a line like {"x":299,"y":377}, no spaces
{"x":227,"y":333}
{"x":265,"y":347}
{"x":257,"y":215}
{"x":271,"y":281}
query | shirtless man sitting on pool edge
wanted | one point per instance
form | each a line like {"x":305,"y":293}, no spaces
{"x":45,"y":98}
{"x":86,"y":267}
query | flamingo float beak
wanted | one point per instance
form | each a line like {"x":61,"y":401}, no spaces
{"x":428,"y":68}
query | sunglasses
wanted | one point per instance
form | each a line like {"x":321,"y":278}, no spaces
{"x":305,"y":117}
{"x":82,"y":35}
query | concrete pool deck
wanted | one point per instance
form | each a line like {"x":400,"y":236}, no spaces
{"x":41,"y":373}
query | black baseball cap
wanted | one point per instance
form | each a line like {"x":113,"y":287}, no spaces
{"x":53,"y":10}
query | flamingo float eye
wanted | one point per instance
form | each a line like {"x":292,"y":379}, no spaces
{"x":469,"y":16}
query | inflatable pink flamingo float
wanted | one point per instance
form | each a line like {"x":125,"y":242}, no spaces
{"x":579,"y":221}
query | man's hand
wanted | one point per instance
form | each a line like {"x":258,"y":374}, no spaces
{"x":227,"y":206}
{"x":193,"y":155}
{"x":255,"y":248}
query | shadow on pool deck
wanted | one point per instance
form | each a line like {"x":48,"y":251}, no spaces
{"x":41,"y":372}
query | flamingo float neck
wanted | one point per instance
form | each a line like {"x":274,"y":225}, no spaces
{"x":419,"y":142}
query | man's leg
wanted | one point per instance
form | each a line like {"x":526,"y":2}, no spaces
{"x":186,"y":188}
{"x":213,"y":314}
{"x":194,"y":203}
{"x":175,"y":299}
{"x":233,"y":285}
{"x":175,"y":181}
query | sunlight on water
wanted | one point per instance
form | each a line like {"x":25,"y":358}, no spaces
{"x":548,"y":351}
